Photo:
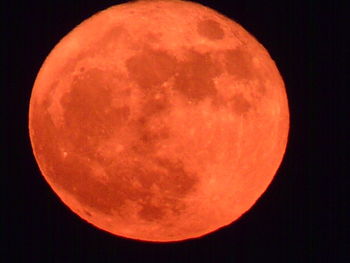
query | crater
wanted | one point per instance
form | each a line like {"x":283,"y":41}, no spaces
{"x":210,"y":29}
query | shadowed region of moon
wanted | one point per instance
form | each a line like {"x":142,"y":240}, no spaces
{"x":158,"y":133}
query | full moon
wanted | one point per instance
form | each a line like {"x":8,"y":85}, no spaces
{"x":159,"y":120}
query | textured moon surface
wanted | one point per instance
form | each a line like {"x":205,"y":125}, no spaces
{"x":159,"y":120}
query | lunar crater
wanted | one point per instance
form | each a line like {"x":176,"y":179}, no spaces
{"x":210,"y":29}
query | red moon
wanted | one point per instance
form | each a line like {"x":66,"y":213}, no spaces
{"x":159,"y":120}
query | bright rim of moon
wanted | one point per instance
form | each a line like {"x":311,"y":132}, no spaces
{"x":159,"y":120}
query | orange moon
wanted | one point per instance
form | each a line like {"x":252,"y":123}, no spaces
{"x":159,"y":120}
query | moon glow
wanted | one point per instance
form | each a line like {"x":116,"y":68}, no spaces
{"x":159,"y":120}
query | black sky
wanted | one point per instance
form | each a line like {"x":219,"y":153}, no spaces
{"x":300,"y":218}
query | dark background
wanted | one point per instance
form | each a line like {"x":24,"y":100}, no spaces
{"x":300,"y":218}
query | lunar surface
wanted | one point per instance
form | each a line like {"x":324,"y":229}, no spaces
{"x":159,"y":120}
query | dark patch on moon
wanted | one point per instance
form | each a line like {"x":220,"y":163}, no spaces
{"x":154,"y":107}
{"x":172,"y":180}
{"x":168,"y":176}
{"x":87,"y":213}
{"x":103,"y":183}
{"x":153,"y":37}
{"x":155,"y":102}
{"x":239,"y":64}
{"x":151,"y":212}
{"x":114,"y":33}
{"x":148,"y":137}
{"x":175,"y":180}
{"x":88,"y":111}
{"x":74,"y":173}
{"x":210,"y":29}
{"x":151,"y":67}
{"x":240,"y":104}
{"x":194,"y":77}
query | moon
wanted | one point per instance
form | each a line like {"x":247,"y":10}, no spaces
{"x":159,"y":120}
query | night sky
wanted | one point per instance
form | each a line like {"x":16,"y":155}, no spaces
{"x":300,"y":218}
